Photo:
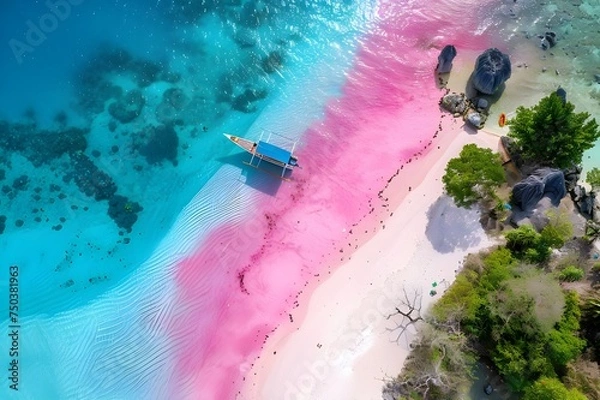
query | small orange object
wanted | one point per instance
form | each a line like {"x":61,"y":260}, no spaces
{"x":502,"y":120}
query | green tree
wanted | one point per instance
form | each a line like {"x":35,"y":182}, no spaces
{"x":473,"y":175}
{"x":551,"y":133}
{"x":593,"y":178}
{"x":551,"y":389}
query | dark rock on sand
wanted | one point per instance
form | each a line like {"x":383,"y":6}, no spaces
{"x":123,"y":211}
{"x":548,"y":40}
{"x":544,"y":182}
{"x":127,"y":108}
{"x":492,"y":69}
{"x":445,"y":59}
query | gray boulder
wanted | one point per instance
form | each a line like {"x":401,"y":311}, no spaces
{"x":455,"y":103}
{"x":445,"y":59}
{"x":492,"y":69}
{"x":476,"y":119}
{"x":544,"y":182}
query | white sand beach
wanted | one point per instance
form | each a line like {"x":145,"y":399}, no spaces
{"x":345,"y":347}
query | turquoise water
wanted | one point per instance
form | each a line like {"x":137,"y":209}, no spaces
{"x":219,"y":52}
{"x":237,"y":67}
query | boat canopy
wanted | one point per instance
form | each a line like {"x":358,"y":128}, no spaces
{"x":274,"y":152}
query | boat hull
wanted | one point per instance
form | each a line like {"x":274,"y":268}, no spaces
{"x":251,"y":146}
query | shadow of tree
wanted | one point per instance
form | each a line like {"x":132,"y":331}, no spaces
{"x":450,"y":227}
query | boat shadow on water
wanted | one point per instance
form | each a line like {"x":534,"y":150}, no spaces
{"x":267,"y":179}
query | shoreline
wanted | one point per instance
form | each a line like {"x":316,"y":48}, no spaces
{"x":350,"y":306}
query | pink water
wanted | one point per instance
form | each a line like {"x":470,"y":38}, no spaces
{"x":244,"y":279}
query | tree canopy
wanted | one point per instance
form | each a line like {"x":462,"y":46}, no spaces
{"x":552,"y":134}
{"x":551,"y":389}
{"x":593,"y":178}
{"x":473,"y":175}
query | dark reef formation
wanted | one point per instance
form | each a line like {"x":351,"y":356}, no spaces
{"x":90,"y":180}
{"x":123,"y":211}
{"x":161,"y":144}
{"x":492,"y":69}
{"x":41,"y":147}
{"x":128,"y":107}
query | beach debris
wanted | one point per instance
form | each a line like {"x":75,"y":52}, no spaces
{"x":492,"y":69}
{"x":548,"y":40}
{"x":445,"y":59}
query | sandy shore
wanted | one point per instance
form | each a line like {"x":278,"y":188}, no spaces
{"x":345,"y":346}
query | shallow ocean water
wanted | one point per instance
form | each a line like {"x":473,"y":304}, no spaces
{"x":117,"y":307}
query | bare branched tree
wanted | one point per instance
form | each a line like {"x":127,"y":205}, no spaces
{"x":410,"y":310}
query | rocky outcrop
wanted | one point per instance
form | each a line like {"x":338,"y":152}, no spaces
{"x":492,"y":69}
{"x":587,"y":203}
{"x":445,"y":59}
{"x":544,"y":182}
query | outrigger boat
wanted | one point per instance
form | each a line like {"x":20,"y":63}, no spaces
{"x":262,"y":150}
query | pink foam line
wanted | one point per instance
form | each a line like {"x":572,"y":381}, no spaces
{"x":244,"y":280}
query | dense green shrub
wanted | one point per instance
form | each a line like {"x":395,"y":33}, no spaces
{"x":558,"y":230}
{"x":551,"y":133}
{"x":571,"y":274}
{"x":527,"y":244}
{"x":473,"y":175}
